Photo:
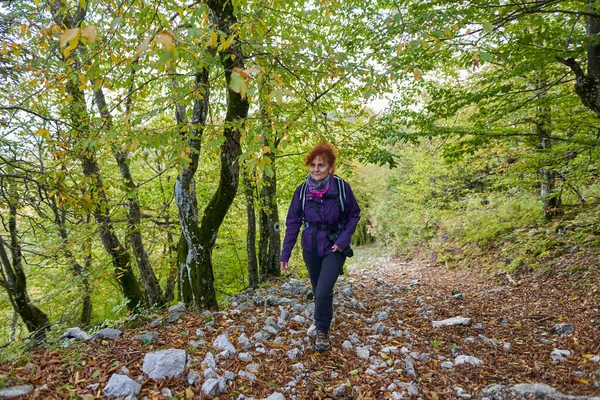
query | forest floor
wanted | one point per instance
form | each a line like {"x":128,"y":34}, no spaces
{"x":384,"y":344}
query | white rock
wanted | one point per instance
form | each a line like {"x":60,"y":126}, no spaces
{"x":165,"y":364}
{"x":293,"y":354}
{"x":107,"y":333}
{"x":121,"y":386}
{"x":558,"y":355}
{"x":193,"y":377}
{"x":453,"y":321}
{"x":246,"y":357}
{"x":536,"y":389}
{"x":247,"y":375}
{"x":298,"y":366}
{"x":229,"y":376}
{"x":213,"y":387}
{"x":363,"y":352}
{"x":462,"y":359}
{"x":209,"y":361}
{"x":223,"y":343}
{"x":76,"y":333}
{"x":275,"y":396}
{"x":15,"y":391}
{"x":341,"y":390}
{"x":210,"y":373}
{"x":413,"y":390}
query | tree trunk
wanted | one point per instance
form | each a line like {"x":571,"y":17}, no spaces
{"x":198,"y":271}
{"x":251,"y":234}
{"x":120,"y":257}
{"x":151,"y":284}
{"x":587,"y":86}
{"x":78,"y":114}
{"x":270,"y":240}
{"x":551,"y":200}
{"x":78,"y":271}
{"x":15,"y":281}
{"x":173,"y":265}
{"x":87,"y":307}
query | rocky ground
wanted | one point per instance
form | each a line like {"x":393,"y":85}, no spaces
{"x":402,"y":329}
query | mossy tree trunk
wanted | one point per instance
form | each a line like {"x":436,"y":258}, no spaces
{"x":270,"y":240}
{"x":15,"y":282}
{"x":196,"y":272}
{"x":79,"y":122}
{"x":154,"y":293}
{"x":249,"y":188}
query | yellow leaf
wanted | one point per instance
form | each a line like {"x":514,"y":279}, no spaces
{"x":23,"y":29}
{"x":44,"y":133}
{"x":189,"y":393}
{"x":89,"y":32}
{"x":166,"y":39}
{"x":417,"y":73}
{"x":400,"y":46}
{"x":455,"y":27}
{"x":581,"y":380}
{"x":588,"y":356}
{"x":213,"y":39}
{"x":68,"y":36}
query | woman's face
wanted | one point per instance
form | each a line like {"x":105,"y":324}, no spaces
{"x":319,"y":168}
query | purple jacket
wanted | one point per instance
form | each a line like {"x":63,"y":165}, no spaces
{"x":319,"y":211}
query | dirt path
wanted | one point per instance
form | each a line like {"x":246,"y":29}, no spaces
{"x":384,"y":343}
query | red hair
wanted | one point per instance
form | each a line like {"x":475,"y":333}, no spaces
{"x":325,"y":151}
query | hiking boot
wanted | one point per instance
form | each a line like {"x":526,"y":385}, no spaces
{"x":322,"y":341}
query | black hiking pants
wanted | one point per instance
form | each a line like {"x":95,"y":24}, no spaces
{"x":323,"y":273}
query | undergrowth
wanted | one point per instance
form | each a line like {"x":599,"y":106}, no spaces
{"x":515,"y":238}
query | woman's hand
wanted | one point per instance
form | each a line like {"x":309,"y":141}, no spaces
{"x":284,"y":266}
{"x":335,"y":248}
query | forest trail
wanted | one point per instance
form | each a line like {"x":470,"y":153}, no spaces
{"x":384,"y":343}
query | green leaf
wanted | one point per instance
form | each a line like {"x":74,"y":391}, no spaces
{"x":165,"y":57}
{"x":485,"y":56}
{"x":268,"y":171}
{"x":238,"y":84}
{"x":115,"y":23}
{"x":487,"y":26}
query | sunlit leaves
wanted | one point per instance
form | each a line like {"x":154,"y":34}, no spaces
{"x":485,"y":56}
{"x":238,"y":82}
{"x":89,"y":32}
{"x":69,"y":39}
{"x":165,"y":38}
{"x":142,"y":47}
{"x":417,"y":73}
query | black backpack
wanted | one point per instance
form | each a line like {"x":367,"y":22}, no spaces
{"x":341,"y":197}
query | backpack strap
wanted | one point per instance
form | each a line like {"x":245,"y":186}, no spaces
{"x":341,"y":197}
{"x":341,"y":193}
{"x":302,"y":198}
